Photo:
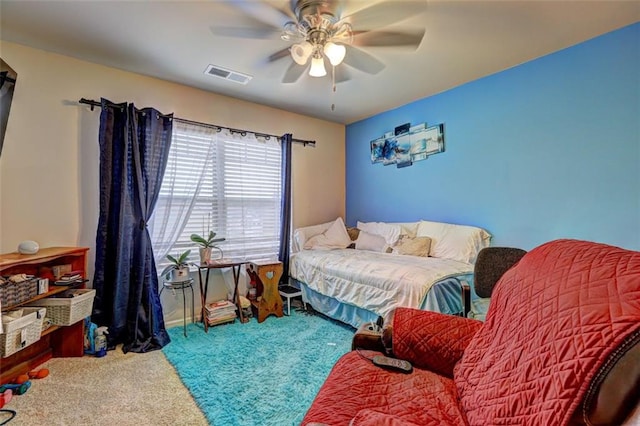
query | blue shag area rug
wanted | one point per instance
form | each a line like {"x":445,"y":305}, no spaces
{"x":258,"y":373}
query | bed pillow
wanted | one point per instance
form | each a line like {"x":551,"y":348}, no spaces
{"x":407,"y":228}
{"x":457,"y":242}
{"x":417,"y":246}
{"x":334,"y":237}
{"x":390,"y":232}
{"x":301,"y":235}
{"x":371,"y":242}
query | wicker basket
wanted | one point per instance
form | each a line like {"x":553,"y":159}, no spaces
{"x":15,"y":293}
{"x":21,"y":332}
{"x":69,"y":306}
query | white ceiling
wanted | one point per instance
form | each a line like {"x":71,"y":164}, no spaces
{"x":172,"y":40}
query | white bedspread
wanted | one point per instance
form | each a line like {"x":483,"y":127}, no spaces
{"x":375,"y":281}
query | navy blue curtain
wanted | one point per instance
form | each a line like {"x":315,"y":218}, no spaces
{"x":134,"y":147}
{"x":285,"y":206}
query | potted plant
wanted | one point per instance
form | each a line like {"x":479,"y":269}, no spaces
{"x":207,"y":245}
{"x":179,"y":268}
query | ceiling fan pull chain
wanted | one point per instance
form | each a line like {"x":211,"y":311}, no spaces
{"x":333,"y":85}
{"x":333,"y":78}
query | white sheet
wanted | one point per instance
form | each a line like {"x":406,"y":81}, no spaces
{"x":378,"y":282}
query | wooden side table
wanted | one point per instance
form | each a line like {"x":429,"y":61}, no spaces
{"x":269,"y":301}
{"x":204,"y":285}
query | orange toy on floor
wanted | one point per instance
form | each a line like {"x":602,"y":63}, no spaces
{"x":39,"y":374}
{"x":33,"y":374}
{"x":23,"y":378}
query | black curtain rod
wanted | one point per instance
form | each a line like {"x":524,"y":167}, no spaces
{"x":4,"y":76}
{"x":93,"y":103}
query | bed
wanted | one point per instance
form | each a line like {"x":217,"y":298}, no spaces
{"x":356,"y":274}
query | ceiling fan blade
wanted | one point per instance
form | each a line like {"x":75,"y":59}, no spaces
{"x":342,"y":74}
{"x":386,"y":13}
{"x":259,"y":20}
{"x":263,"y":32}
{"x":287,"y":10}
{"x":362,"y":60}
{"x":340,"y":8}
{"x":265,"y":12}
{"x":282,"y":53}
{"x":388,"y":38}
{"x":293,"y":73}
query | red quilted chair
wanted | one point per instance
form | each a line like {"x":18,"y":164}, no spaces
{"x":559,"y":347}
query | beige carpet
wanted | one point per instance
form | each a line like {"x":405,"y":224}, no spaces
{"x":118,"y":389}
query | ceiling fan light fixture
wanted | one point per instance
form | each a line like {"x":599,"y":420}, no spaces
{"x":300,"y":52}
{"x":290,"y":31}
{"x":343,"y":32}
{"x":335,"y":52}
{"x":317,"y":67}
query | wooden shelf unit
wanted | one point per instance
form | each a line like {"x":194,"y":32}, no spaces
{"x":56,"y":341}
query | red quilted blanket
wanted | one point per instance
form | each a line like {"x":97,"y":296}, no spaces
{"x":552,"y":322}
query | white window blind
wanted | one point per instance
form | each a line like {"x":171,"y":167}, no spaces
{"x":219,"y":181}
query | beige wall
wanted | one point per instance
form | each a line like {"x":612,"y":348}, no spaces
{"x":49,"y":162}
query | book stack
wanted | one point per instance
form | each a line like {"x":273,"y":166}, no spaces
{"x":69,"y":278}
{"x":220,"y":312}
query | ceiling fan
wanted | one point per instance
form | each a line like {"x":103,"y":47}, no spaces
{"x":320,"y":33}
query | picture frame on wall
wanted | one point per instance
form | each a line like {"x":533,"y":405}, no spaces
{"x":418,"y":145}
{"x":434,"y":139}
{"x":401,"y":130}
{"x":389,"y":151}
{"x":406,"y":145}
{"x":403,"y":151}
{"x":377,"y":150}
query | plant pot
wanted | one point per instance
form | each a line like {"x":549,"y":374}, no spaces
{"x":180,"y":274}
{"x":205,"y":255}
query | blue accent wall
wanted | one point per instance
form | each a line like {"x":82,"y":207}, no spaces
{"x":548,"y":149}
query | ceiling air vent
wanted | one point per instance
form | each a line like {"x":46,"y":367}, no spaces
{"x":226,"y":74}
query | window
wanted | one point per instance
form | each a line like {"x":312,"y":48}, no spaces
{"x":220,"y":181}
